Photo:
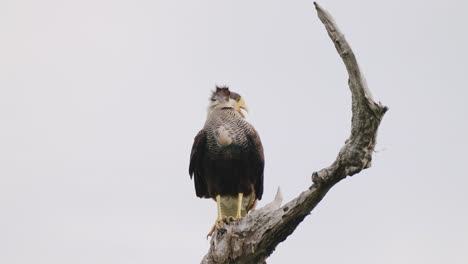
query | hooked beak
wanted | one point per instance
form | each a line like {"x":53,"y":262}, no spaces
{"x":241,"y":106}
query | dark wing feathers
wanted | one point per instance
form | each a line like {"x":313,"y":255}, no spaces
{"x":255,"y":163}
{"x":258,"y":162}
{"x":196,"y":164}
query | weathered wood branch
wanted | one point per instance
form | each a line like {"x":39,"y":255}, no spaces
{"x":255,"y":237}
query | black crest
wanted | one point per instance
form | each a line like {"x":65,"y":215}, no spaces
{"x":221,"y":93}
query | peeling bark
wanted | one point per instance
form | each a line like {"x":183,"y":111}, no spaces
{"x":255,"y":237}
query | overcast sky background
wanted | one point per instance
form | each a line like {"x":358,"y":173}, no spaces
{"x":100,"y":101}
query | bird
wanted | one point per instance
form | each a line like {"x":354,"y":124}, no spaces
{"x":227,"y":160}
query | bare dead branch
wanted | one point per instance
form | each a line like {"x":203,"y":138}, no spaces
{"x":255,"y":237}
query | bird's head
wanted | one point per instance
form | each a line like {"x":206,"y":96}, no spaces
{"x":223,"y":98}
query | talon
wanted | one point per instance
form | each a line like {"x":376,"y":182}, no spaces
{"x":216,"y":225}
{"x":210,"y":233}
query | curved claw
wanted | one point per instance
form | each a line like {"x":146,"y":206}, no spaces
{"x":210,"y":233}
{"x":217,"y":225}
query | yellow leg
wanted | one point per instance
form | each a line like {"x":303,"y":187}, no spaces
{"x":239,"y":206}
{"x":220,"y":214}
{"x":219,"y":218}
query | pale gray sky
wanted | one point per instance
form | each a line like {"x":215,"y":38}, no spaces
{"x":100,"y":101}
